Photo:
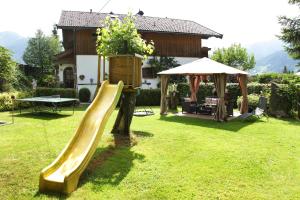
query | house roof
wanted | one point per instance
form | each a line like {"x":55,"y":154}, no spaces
{"x":203,"y":66}
{"x":71,"y":19}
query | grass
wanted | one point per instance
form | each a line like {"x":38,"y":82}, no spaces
{"x":173,"y":158}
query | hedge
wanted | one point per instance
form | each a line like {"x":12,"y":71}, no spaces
{"x":253,"y":101}
{"x":287,"y":96}
{"x":63,"y":92}
{"x":284,"y":99}
{"x":6,"y":102}
{"x":276,"y":78}
{"x":148,"y":97}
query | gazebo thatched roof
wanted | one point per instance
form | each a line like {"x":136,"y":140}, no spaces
{"x":203,"y":66}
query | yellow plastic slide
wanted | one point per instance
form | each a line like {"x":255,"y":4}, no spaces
{"x":63,"y":174}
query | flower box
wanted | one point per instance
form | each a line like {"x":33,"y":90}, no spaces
{"x":127,"y":68}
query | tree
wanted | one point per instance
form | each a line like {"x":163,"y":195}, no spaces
{"x":7,"y":70}
{"x":116,"y":38}
{"x":235,"y":56}
{"x":285,"y":70}
{"x":41,"y":50}
{"x":164,"y":63}
{"x":290,"y":32}
{"x":121,"y":37}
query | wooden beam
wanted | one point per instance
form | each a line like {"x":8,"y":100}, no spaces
{"x":99,"y":71}
{"x":75,"y":52}
{"x":103,"y":68}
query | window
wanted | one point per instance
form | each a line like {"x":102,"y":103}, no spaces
{"x":68,"y":77}
{"x":149,"y":72}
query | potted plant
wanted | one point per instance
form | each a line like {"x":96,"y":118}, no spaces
{"x":120,"y":41}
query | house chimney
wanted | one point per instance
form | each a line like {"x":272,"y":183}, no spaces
{"x":141,"y":13}
{"x":91,"y":10}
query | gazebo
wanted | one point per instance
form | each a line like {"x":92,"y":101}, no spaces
{"x":199,"y":70}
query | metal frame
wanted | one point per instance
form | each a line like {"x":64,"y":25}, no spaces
{"x":53,"y":103}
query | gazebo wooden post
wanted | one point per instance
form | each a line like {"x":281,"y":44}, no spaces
{"x":220,"y":81}
{"x":242,"y":78}
{"x":163,"y":90}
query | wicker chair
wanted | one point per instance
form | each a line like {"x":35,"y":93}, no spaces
{"x":188,"y":106}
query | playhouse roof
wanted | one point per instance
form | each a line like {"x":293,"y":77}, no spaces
{"x":71,"y":19}
{"x":203,"y":66}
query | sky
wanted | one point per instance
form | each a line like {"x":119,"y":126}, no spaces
{"x":240,"y":21}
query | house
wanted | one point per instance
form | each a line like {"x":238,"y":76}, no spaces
{"x":78,"y":64}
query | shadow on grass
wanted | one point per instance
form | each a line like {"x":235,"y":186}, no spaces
{"x":142,"y":134}
{"x":112,"y":164}
{"x":52,"y":195}
{"x":42,"y":115}
{"x":233,"y":125}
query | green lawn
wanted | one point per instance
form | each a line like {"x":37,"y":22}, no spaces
{"x":173,"y":158}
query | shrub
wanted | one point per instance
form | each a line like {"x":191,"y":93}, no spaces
{"x":63,"y":92}
{"x":121,"y":37}
{"x":48,"y":80}
{"x":183,"y":89}
{"x":22,"y":82}
{"x":6,"y":102}
{"x":253,"y":100}
{"x":277,"y":78}
{"x":284,"y":99}
{"x":8,"y":70}
{"x":258,"y":88}
{"x":205,"y":90}
{"x":148,"y":97}
{"x":84,"y":95}
{"x":233,"y":90}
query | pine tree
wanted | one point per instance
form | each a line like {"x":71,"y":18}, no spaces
{"x":285,"y":70}
{"x":290,"y":32}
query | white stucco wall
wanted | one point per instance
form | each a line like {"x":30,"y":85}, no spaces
{"x":87,"y":65}
{"x":61,"y":69}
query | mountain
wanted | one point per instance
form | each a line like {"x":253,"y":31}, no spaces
{"x":264,"y":49}
{"x":15,"y":43}
{"x":275,"y":62}
{"x":271,"y":57}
